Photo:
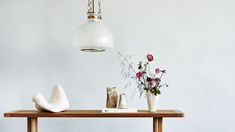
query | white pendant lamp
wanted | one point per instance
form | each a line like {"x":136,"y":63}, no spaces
{"x":93,"y":36}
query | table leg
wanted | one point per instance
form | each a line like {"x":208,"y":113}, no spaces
{"x":32,"y":125}
{"x":157,"y":124}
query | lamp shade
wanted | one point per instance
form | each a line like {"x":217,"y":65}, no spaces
{"x":93,"y":36}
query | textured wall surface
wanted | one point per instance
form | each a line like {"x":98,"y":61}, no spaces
{"x":193,"y":39}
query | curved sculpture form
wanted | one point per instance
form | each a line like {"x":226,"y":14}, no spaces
{"x":57,"y":103}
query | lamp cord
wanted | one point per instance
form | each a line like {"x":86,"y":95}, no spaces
{"x":91,"y":6}
{"x":99,"y":3}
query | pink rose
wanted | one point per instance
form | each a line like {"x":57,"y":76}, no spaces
{"x":150,"y":83}
{"x":157,"y":70}
{"x":150,"y":57}
{"x":139,"y":74}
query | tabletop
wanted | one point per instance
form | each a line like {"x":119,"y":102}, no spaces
{"x":94,"y":113}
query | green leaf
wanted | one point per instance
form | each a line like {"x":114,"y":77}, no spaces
{"x":158,"y":91}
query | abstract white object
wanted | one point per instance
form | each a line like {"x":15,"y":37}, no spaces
{"x":57,"y":103}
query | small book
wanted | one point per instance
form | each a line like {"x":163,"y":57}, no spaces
{"x":116,"y":110}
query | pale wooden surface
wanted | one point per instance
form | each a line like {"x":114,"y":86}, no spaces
{"x":94,"y":113}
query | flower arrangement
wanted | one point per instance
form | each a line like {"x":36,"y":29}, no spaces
{"x":146,"y":80}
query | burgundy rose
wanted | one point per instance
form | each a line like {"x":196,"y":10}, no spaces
{"x":139,"y":74}
{"x":149,"y":79}
{"x":157,"y":70}
{"x":158,"y":80}
{"x":150,"y":57}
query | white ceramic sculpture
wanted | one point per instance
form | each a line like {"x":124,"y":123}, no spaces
{"x":122,"y":102}
{"x":57,"y":103}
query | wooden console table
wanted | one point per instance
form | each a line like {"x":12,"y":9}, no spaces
{"x":32,"y":116}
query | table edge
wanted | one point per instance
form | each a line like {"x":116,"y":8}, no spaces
{"x":177,"y":114}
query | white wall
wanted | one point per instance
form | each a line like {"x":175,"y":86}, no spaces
{"x":193,"y":39}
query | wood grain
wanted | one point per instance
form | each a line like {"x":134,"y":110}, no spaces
{"x":94,"y":113}
{"x":32,"y":124}
{"x":157,"y":124}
